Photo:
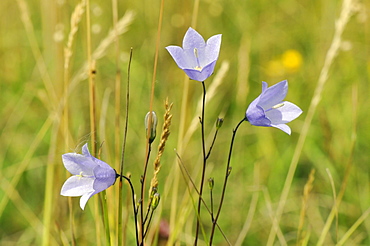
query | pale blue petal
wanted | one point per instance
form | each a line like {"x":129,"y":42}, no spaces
{"x":77,"y":186}
{"x":100,"y":185}
{"x":192,"y":39}
{"x":182,"y":60}
{"x":264,"y":86}
{"x":256,"y":115}
{"x":104,"y":175}
{"x":102,"y":164}
{"x":283,"y":127}
{"x":85,"y":198}
{"x":201,"y":75}
{"x":95,"y":161}
{"x":198,"y":60}
{"x":212,"y":49}
{"x":77,"y":164}
{"x":273,"y":95}
{"x":284,"y":114}
{"x":85,"y":150}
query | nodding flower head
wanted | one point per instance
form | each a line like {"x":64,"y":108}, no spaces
{"x":90,"y":175}
{"x":196,"y":57}
{"x":269,"y":109}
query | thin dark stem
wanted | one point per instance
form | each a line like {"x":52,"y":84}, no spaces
{"x":204,"y":164}
{"x":148,"y":210}
{"x":213,"y":142}
{"x":133,"y":206}
{"x":150,"y":219}
{"x":227,"y":174}
{"x":142,"y":193}
{"x":120,"y":195}
{"x":185,"y":173}
{"x":211,"y":195}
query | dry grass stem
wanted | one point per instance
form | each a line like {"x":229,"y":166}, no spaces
{"x":122,"y":27}
{"x":252,"y":208}
{"x":75,"y":20}
{"x":306,"y":195}
{"x":346,"y":12}
{"x":40,"y":62}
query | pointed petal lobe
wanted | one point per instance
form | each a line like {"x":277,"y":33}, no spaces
{"x":192,"y":39}
{"x":77,"y":164}
{"x":284,"y":114}
{"x":85,"y":198}
{"x":283,"y":127}
{"x":273,"y":95}
{"x":77,"y":186}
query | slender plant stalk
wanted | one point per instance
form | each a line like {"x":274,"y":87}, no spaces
{"x":227,"y":174}
{"x":124,"y":223}
{"x":143,"y":178}
{"x":36,"y":52}
{"x":50,"y":173}
{"x":51,"y":94}
{"x":204,"y":164}
{"x":75,"y":20}
{"x":340,"y":24}
{"x":252,"y":209}
{"x":120,"y":190}
{"x":187,"y":177}
{"x":117,"y":86}
{"x":181,"y":133}
{"x":117,"y":118}
{"x":353,"y":228}
{"x":211,"y":198}
{"x":104,"y":205}
{"x":133,"y":206}
{"x":349,"y":165}
{"x":148,"y":145}
{"x":212,"y":144}
{"x":91,"y":72}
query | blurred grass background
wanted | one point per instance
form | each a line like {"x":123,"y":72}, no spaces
{"x":262,"y":41}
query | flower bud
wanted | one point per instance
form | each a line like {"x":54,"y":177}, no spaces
{"x":229,"y":171}
{"x":155,"y":200}
{"x":153,"y":191}
{"x":211,"y":183}
{"x":219,"y":123}
{"x":153,"y":125}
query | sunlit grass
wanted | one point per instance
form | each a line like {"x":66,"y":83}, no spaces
{"x":262,"y":41}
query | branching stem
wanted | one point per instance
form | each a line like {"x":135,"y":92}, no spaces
{"x":227,"y":174}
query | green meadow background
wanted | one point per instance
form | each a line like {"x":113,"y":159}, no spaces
{"x":271,"y":198}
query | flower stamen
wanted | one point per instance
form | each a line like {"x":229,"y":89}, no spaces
{"x":279,"y":105}
{"x":198,"y":67}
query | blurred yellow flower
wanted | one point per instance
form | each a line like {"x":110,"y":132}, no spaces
{"x":291,"y":60}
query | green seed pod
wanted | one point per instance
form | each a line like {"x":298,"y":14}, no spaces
{"x":219,"y":122}
{"x":155,"y":200}
{"x":153,"y":126}
{"x":211,"y":183}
